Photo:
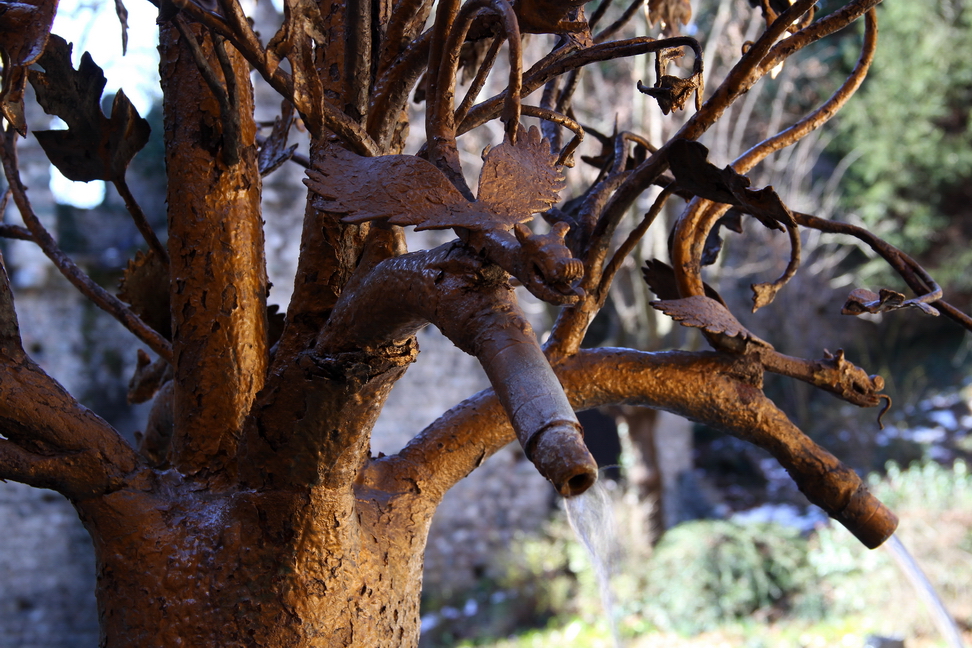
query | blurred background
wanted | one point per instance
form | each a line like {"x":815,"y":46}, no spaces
{"x":711,"y":544}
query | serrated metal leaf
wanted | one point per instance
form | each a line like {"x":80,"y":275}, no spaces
{"x":699,"y":311}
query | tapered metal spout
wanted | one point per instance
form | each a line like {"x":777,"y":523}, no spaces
{"x":539,"y":411}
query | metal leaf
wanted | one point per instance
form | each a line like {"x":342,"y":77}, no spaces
{"x":703,"y":312}
{"x":518,"y":180}
{"x":862,"y":301}
{"x":24,"y":30}
{"x":660,"y":278}
{"x":274,"y":150}
{"x":94,"y":147}
{"x":550,"y":16}
{"x":670,"y":13}
{"x":145,"y":286}
{"x":695,"y":174}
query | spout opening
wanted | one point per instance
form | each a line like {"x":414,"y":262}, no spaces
{"x":578,"y":484}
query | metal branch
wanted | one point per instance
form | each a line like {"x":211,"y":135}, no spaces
{"x":566,"y":59}
{"x":141,"y":221}
{"x":246,"y":42}
{"x":226,"y":97}
{"x":700,"y":216}
{"x":917,"y":278}
{"x":98,"y":295}
{"x":15,"y":232}
{"x":598,"y":13}
{"x":75,"y":475}
{"x":764,"y":293}
{"x":479,"y":81}
{"x":825,"y":111}
{"x":618,"y":24}
{"x":440,"y":124}
{"x":393,"y":87}
{"x":476,"y":309}
{"x":675,"y":382}
{"x":629,"y":243}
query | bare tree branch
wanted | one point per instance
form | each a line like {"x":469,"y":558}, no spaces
{"x":98,"y":295}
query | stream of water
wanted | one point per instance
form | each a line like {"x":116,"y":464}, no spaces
{"x":926,"y":592}
{"x":592,"y":518}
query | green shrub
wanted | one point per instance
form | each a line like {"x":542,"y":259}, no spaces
{"x":710,"y":572}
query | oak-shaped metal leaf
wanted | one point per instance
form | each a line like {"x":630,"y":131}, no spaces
{"x":699,"y":311}
{"x":94,"y":147}
{"x":695,"y":174}
{"x":24,"y":30}
{"x":517,"y":180}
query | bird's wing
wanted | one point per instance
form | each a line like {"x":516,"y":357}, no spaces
{"x":519,"y":179}
{"x":405,"y":189}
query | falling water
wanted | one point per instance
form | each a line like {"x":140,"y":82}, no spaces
{"x":592,"y":519}
{"x":943,"y":620}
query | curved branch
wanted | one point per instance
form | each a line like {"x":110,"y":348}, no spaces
{"x":914,"y":275}
{"x":701,"y":215}
{"x":474,"y":306}
{"x":764,"y":293}
{"x":440,"y":122}
{"x":616,"y":26}
{"x":825,"y":111}
{"x":98,"y":295}
{"x":563,"y":60}
{"x":714,"y":389}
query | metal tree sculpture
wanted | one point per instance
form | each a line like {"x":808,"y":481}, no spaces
{"x":253,"y":512}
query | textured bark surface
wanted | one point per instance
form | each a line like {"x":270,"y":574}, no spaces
{"x":218,"y":277}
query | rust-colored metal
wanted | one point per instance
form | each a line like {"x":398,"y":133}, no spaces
{"x":253,"y":511}
{"x":218,"y":282}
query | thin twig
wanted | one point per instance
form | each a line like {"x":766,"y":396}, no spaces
{"x":598,"y":13}
{"x":479,"y":81}
{"x":630,"y":242}
{"x":616,"y":26}
{"x":15,"y":232}
{"x":98,"y":295}
{"x":141,"y":221}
